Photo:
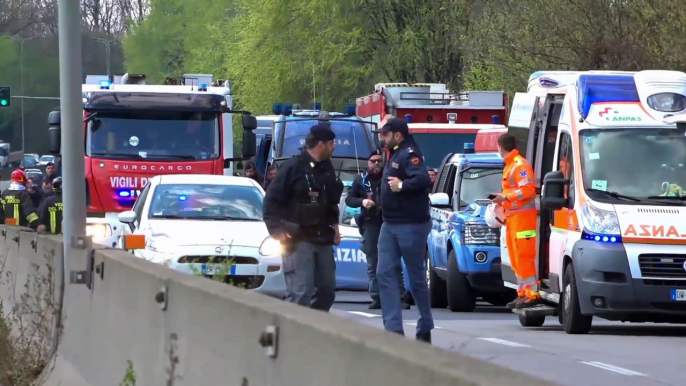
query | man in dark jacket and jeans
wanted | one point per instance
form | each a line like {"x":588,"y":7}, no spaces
{"x":364,"y":193}
{"x":406,"y":226}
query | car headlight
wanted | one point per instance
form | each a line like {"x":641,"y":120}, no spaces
{"x":98,"y":231}
{"x":600,"y":221}
{"x":270,"y":247}
{"x":160,"y":244}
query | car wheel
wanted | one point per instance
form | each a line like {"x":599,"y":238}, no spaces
{"x":437,"y":286}
{"x":461,"y":296}
{"x":531,"y":321}
{"x":573,"y":321}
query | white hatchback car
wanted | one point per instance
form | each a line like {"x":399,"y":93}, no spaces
{"x":207,"y":224}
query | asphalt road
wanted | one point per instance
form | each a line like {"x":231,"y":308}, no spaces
{"x":612,"y":354}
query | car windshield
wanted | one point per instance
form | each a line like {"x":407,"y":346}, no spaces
{"x":30,"y":161}
{"x":634,"y":162}
{"x":353,"y":137}
{"x":47,"y":158}
{"x":206,"y":202}
{"x":160,"y":135}
{"x":477,"y":184}
{"x":436,"y":146}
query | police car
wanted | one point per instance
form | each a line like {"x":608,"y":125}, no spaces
{"x":206,"y":225}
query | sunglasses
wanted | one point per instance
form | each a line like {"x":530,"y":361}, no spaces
{"x":375,"y":161}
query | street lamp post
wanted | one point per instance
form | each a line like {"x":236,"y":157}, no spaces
{"x":108,"y":51}
{"x":21,"y":69}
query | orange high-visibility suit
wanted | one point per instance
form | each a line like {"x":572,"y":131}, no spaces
{"x":521,"y":216}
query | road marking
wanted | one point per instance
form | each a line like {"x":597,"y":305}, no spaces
{"x":504,"y":342}
{"x":365,"y":314}
{"x":415,"y":324}
{"x":619,"y":370}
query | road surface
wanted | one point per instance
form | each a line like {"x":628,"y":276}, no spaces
{"x":612,"y":354}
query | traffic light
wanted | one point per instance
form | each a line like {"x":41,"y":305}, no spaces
{"x":5,"y":96}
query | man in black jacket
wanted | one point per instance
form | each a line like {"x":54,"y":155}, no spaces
{"x":406,"y":226}
{"x":364,"y":193}
{"x":301,"y":211}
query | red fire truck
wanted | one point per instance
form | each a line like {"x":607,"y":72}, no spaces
{"x":135,"y":131}
{"x":440,"y":121}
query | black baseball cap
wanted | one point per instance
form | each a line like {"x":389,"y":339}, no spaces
{"x":50,"y":164}
{"x":322,"y":132}
{"x":396,"y":125}
{"x":375,"y":152}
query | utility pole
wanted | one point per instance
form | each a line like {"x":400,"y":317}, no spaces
{"x":108,"y":53}
{"x":71,"y":107}
{"x":21,"y":69}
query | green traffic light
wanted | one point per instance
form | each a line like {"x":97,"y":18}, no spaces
{"x":3,"y":102}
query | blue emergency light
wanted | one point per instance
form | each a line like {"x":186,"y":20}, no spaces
{"x":286,"y":109}
{"x":610,"y":239}
{"x":276,"y":108}
{"x":468,"y":148}
{"x":350,"y":110}
{"x":105,"y":84}
{"x":183,"y":198}
{"x":545,"y":81}
{"x":408,"y":118}
{"x":605,"y":89}
{"x":316,"y":106}
{"x":202,"y":87}
{"x":495,"y":120}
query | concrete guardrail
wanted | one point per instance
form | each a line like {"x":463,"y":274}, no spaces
{"x":178,"y":329}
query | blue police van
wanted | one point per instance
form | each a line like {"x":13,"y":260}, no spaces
{"x":463,"y":253}
{"x":355,"y":140}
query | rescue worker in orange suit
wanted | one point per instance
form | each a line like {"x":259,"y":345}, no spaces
{"x":519,"y":206}
{"x":17,"y":206}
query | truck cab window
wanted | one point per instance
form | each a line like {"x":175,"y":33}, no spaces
{"x":565,"y":164}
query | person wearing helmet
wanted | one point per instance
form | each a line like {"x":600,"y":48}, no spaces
{"x":50,"y":211}
{"x":17,"y":204}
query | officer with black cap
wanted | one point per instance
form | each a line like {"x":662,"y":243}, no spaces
{"x":406,"y":226}
{"x":301,"y":211}
{"x":365,"y":193}
{"x":50,"y":211}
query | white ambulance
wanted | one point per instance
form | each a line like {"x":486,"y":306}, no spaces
{"x":608,"y":150}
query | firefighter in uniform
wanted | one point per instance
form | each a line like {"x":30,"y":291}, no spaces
{"x":518,"y":202}
{"x":50,"y":211}
{"x":301,"y":211}
{"x":17,"y":205}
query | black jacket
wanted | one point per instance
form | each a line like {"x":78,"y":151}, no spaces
{"x":50,"y":213}
{"x":358,"y":192}
{"x":303,"y":200}
{"x":411,"y":204}
{"x":18,"y":204}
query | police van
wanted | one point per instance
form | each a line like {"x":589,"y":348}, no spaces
{"x":608,"y":150}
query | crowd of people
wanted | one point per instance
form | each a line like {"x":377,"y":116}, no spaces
{"x":33,"y":204}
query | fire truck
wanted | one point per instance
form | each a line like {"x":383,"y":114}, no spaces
{"x":135,"y":131}
{"x":439,"y":120}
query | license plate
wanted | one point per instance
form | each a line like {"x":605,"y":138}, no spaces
{"x":218,"y":269}
{"x":679,"y":295}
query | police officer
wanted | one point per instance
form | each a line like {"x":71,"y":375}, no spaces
{"x":17,"y":203}
{"x":301,"y":210}
{"x":50,"y":211}
{"x":364,"y":193}
{"x":405,"y":228}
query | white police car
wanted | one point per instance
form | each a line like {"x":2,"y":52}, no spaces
{"x":206,"y":225}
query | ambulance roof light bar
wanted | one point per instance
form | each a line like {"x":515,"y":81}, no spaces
{"x":594,"y":88}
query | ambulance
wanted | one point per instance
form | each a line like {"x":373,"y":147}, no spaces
{"x":608,"y":151}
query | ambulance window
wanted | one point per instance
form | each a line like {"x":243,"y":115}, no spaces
{"x":565,"y":164}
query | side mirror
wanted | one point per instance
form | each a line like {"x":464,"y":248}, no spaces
{"x":440,"y":200}
{"x":553,"y":192}
{"x":249,"y":122}
{"x":127,"y":217}
{"x":54,"y":132}
{"x":249,"y":143}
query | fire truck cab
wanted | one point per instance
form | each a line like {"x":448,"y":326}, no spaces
{"x":440,"y":121}
{"x":135,"y":131}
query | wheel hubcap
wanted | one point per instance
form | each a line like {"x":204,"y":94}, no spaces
{"x":568,"y":297}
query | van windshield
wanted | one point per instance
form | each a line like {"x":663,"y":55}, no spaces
{"x":634,"y":162}
{"x":477,"y":184}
